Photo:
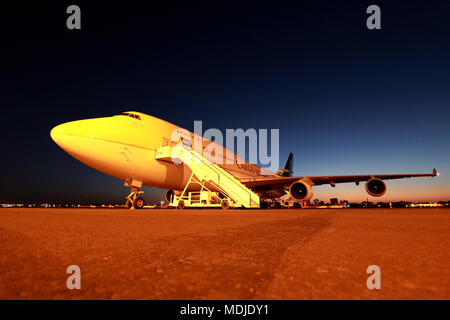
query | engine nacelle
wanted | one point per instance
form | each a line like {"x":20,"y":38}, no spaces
{"x":376,"y":187}
{"x":169,"y":196}
{"x":301,"y":190}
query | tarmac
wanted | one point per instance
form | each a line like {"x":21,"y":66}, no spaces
{"x":216,"y":254}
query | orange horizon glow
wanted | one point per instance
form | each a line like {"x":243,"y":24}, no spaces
{"x":414,"y":190}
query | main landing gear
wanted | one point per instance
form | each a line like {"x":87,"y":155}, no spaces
{"x":133,"y":199}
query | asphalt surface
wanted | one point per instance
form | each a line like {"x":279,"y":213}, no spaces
{"x":215,"y":254}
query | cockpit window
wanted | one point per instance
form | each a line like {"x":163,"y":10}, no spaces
{"x":132,"y":115}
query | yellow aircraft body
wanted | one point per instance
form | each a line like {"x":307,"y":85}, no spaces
{"x":125,"y":146}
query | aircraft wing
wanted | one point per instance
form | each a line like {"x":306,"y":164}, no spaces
{"x":277,"y":181}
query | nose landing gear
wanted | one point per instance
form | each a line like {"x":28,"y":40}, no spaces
{"x":133,"y":199}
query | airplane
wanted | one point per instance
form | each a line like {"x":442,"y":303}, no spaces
{"x":125,"y":146}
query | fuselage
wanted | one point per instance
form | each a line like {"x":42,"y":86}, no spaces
{"x":124,"y":146}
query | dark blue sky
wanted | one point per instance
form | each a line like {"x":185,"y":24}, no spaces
{"x":346,"y":99}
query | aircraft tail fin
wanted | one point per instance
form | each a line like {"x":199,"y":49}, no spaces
{"x":288,"y":168}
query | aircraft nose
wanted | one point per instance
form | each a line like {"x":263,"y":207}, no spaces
{"x":73,"y":136}
{"x":58,"y":130}
{"x":62,"y":134}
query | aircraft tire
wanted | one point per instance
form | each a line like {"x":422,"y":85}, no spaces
{"x":128,"y":203}
{"x":138,"y":203}
{"x":180,"y":205}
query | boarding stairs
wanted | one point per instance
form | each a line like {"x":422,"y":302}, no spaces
{"x":209,"y":175}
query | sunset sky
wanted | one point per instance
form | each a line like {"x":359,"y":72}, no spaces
{"x":347,"y":100}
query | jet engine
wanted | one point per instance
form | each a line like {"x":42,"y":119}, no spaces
{"x":375,"y":187}
{"x":301,"y":190}
{"x":169,"y":195}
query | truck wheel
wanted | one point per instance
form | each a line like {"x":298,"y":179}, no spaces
{"x":225,"y":204}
